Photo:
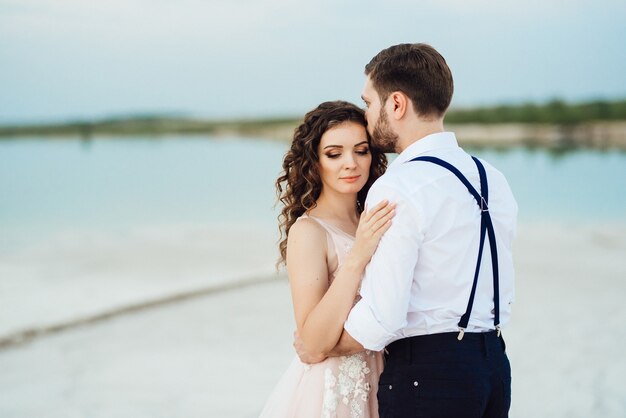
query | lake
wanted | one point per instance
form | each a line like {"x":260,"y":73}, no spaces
{"x":51,"y":185}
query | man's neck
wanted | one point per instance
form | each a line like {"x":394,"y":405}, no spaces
{"x":417,"y":131}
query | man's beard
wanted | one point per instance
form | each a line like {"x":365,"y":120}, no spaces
{"x":383,"y":137}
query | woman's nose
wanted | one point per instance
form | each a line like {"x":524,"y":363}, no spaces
{"x":349,"y":161}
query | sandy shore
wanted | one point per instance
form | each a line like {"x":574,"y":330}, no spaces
{"x":84,"y":274}
{"x":220,"y":353}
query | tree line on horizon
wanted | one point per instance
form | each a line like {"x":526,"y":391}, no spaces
{"x":557,"y":112}
{"x":554,"y":112}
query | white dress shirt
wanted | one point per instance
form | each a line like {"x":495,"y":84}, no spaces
{"x":419,"y":280}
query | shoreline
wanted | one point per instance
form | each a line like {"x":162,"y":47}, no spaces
{"x":592,"y":134}
{"x":72,"y":278}
{"x":27,"y":335}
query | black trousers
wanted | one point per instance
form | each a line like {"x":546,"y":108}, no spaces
{"x":437,"y":376}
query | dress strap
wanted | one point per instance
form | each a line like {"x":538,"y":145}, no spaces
{"x":330,"y":227}
{"x":486,"y":229}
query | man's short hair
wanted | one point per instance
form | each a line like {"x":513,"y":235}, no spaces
{"x":417,"y":70}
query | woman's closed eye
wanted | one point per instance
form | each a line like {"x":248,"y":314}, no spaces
{"x":360,"y":151}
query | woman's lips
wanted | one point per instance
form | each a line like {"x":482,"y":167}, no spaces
{"x":350,"y":179}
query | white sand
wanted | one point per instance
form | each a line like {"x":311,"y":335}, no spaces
{"x":220,"y":355}
{"x":85,"y":273}
{"x":567,"y":337}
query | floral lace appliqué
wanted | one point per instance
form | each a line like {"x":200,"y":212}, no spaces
{"x":348,"y":386}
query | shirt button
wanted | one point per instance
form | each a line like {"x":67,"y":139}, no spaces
{"x":390,"y":387}
{"x":415,"y":383}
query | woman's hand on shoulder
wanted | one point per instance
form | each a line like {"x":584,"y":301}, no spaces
{"x":372,"y":225}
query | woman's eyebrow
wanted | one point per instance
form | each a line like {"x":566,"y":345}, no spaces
{"x":341,"y":146}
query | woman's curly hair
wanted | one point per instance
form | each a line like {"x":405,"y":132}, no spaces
{"x":299,"y":185}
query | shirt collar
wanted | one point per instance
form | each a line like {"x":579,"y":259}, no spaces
{"x":425,"y":145}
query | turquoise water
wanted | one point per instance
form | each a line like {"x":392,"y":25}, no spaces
{"x":56,"y":184}
{"x":580,"y":185}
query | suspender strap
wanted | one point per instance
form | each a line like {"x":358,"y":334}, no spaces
{"x":486,"y":229}
{"x":484,"y":188}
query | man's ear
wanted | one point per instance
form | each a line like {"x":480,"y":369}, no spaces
{"x":399,"y":104}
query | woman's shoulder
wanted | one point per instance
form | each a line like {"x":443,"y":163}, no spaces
{"x":307,"y":239}
{"x":308,"y":227}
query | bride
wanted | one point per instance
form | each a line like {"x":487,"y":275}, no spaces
{"x":327,"y":242}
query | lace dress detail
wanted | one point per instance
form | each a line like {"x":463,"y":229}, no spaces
{"x":338,"y":387}
{"x":351,"y":386}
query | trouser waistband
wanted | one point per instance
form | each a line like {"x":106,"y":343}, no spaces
{"x":408,"y":348}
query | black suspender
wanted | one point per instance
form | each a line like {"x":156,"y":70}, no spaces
{"x":486,"y":228}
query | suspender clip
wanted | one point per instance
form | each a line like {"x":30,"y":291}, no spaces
{"x":498,"y":330}
{"x":483,"y":205}
{"x":461,"y":334}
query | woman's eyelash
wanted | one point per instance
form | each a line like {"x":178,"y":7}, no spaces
{"x":360,"y":152}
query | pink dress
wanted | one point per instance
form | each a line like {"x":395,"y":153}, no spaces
{"x":341,"y":387}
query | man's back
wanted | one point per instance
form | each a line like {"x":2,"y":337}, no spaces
{"x":420,"y":278}
{"x":421,"y":299}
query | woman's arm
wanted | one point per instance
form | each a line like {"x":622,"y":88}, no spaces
{"x":320,"y":309}
{"x":345,"y":346}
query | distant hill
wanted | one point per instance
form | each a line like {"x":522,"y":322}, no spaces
{"x":596,"y":123}
{"x":554,"y":112}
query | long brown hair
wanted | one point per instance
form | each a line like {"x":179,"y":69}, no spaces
{"x":299,"y":185}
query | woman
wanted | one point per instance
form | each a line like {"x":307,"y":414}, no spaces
{"x":327,"y":243}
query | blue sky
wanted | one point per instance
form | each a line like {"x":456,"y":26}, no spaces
{"x":68,"y":59}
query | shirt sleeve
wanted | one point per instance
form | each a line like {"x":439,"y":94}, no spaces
{"x":381,"y":313}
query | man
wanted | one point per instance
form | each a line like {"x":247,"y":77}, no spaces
{"x":433,"y":296}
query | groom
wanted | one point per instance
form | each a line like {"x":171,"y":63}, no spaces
{"x":440,"y":284}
